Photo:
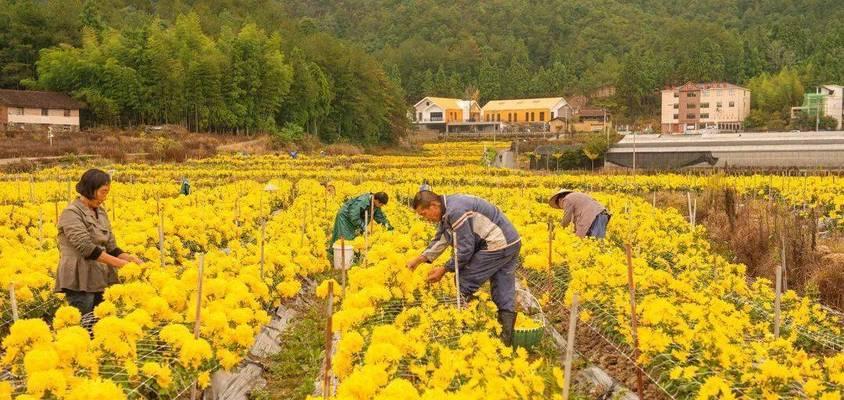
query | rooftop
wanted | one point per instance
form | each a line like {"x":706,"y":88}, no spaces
{"x":705,"y":86}
{"x":522,"y":104}
{"x":37,"y":99}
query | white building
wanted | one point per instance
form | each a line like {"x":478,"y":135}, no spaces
{"x":834,"y":102}
{"x":29,"y":109}
{"x":443,"y":110}
{"x":701,"y":106}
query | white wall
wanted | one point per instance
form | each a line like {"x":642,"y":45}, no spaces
{"x":33,"y":116}
{"x":668,"y":111}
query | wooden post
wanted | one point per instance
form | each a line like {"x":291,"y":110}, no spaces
{"x":263,"y":236}
{"x":654,"y":201}
{"x":194,"y":389}
{"x":326,"y":378}
{"x":13,"y":300}
{"x":550,"y":243}
{"x":199,"y":295}
{"x":570,"y":346}
{"x":366,"y":217}
{"x":777,"y":301}
{"x":456,"y":270}
{"x":634,"y":320}
{"x":784,"y":269}
{"x":160,"y":230}
{"x":40,"y":224}
{"x":343,"y":265}
{"x":689,"y":198}
{"x":371,"y":211}
{"x":694,"y":214}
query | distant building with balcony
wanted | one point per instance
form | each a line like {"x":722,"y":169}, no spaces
{"x":438,"y":112}
{"x":695,"y":107}
{"x":828,"y":101}
{"x":525,"y":111}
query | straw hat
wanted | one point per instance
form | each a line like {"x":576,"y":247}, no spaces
{"x":553,"y":200}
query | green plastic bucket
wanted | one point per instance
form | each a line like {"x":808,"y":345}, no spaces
{"x":528,"y":338}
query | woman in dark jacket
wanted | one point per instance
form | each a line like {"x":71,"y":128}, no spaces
{"x":89,"y":252}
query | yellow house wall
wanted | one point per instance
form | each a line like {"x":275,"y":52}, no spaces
{"x":520,"y":115}
{"x":453,"y":115}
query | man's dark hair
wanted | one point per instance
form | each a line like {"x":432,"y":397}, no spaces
{"x":382,"y":197}
{"x":91,"y":181}
{"x":424,"y":199}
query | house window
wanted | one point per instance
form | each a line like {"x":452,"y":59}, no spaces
{"x":676,"y":94}
{"x":527,"y":117}
{"x":45,"y":112}
{"x":66,"y":113}
{"x":436,"y":116}
{"x":498,"y":117}
{"x":732,"y":104}
{"x":704,"y":105}
{"x":16,"y":111}
{"x":427,"y":103}
{"x":532,"y":117}
{"x":690,"y":116}
{"x":552,"y":115}
{"x":676,"y":116}
{"x":705,"y":93}
{"x":718,"y":105}
{"x":704,"y":115}
{"x":692,"y":94}
{"x":676,"y":106}
{"x":419,"y":118}
{"x":691,"y":105}
{"x":541,"y":116}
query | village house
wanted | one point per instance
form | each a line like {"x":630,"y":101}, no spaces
{"x":699,"y":106}
{"x":35,"y":110}
{"x":525,"y":111}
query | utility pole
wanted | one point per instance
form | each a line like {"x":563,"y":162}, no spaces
{"x":817,"y":109}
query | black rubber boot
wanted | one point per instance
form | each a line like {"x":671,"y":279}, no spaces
{"x":507,"y":319}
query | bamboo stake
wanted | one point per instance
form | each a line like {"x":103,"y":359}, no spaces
{"x":570,"y":346}
{"x":194,"y":389}
{"x":634,"y":320}
{"x":784,"y":269}
{"x":343,"y":265}
{"x":326,"y":379}
{"x":160,"y":230}
{"x":689,"y":199}
{"x":777,"y":301}
{"x":456,"y":271}
{"x":14,"y":301}
{"x":263,"y":238}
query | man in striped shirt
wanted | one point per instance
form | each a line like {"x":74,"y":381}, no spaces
{"x":486,"y":249}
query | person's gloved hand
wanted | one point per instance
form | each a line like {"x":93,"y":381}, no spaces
{"x":436,"y":274}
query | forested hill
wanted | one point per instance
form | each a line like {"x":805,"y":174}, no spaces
{"x":349,"y":67}
{"x":513,"y":48}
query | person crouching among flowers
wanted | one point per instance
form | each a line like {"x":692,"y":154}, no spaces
{"x":88,"y":248}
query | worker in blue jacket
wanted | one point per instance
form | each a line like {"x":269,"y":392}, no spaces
{"x":353,"y":216}
{"x":487,"y":249}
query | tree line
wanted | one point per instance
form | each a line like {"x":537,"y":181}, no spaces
{"x":242,"y":79}
{"x":515,"y":48}
{"x":392,"y":53}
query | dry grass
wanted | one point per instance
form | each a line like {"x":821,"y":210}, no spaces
{"x":756,"y":238}
{"x":167,"y":145}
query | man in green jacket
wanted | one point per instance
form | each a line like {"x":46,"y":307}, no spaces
{"x":354,"y":214}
